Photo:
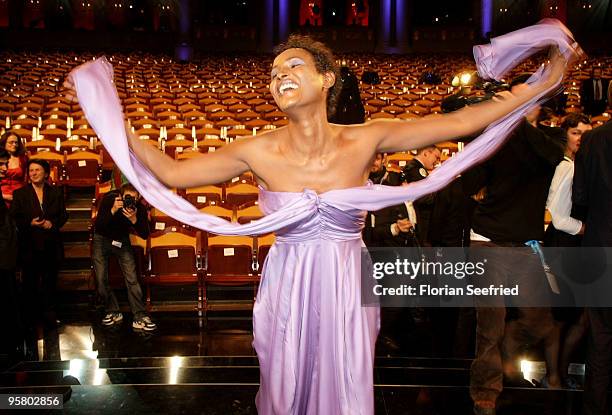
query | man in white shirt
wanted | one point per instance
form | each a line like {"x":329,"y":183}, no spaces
{"x":564,"y":230}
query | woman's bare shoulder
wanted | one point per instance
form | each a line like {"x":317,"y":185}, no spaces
{"x":358,"y":134}
{"x":262,"y":143}
{"x":358,"y":131}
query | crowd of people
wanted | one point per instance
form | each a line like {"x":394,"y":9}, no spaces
{"x":551,"y":162}
{"x":32,"y":217}
{"x":32,"y":213}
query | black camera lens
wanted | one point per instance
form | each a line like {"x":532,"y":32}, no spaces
{"x":129,"y":202}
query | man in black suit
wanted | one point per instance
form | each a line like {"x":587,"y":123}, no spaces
{"x":417,"y":169}
{"x":378,"y":175}
{"x":450,"y":217}
{"x":39,"y":211}
{"x":395,"y":227}
{"x":593,"y":93}
{"x":592,"y":190}
{"x":399,"y":225}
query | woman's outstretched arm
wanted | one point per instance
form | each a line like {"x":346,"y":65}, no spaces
{"x":395,"y":136}
{"x":211,"y":168}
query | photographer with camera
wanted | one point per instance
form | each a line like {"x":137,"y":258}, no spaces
{"x":118,"y":213}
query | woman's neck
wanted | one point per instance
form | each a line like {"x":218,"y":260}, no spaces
{"x":14,"y":160}
{"x":310,"y":136}
{"x":38,"y":186}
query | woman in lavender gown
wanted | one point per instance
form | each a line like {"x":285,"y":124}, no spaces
{"x":314,"y":340}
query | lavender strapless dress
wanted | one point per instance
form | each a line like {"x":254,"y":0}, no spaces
{"x":314,"y":340}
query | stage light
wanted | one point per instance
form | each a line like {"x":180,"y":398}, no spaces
{"x":467,"y":78}
{"x":176,"y":362}
{"x":532,"y":370}
{"x":526,"y":366}
{"x":100,"y":377}
{"x":76,"y":368}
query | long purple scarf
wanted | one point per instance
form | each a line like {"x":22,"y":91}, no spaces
{"x":100,"y":102}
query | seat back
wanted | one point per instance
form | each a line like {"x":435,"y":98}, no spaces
{"x":174,"y":253}
{"x":229,"y":256}
{"x":82,"y":168}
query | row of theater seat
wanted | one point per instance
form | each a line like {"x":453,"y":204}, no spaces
{"x":221,"y":92}
{"x":175,"y":254}
{"x":80,"y":162}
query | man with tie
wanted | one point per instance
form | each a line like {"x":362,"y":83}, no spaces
{"x":399,"y":225}
{"x":593,"y":93}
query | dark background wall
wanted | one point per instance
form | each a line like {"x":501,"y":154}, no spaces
{"x":255,"y":25}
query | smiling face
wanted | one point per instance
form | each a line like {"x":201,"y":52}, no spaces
{"x":295,"y":80}
{"x":37,"y":173}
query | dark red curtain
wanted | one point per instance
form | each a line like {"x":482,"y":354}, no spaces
{"x":83,"y":14}
{"x":357,"y":12}
{"x":311,"y":12}
{"x":33,"y":14}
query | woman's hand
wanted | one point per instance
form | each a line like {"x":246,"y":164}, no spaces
{"x":118,"y":205}
{"x":37,"y":222}
{"x":130,"y":214}
{"x":557,"y":66}
{"x":404,"y":225}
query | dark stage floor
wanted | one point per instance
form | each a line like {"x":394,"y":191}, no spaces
{"x":187,"y":367}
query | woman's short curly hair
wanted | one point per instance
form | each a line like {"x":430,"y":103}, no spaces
{"x":324,"y":62}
